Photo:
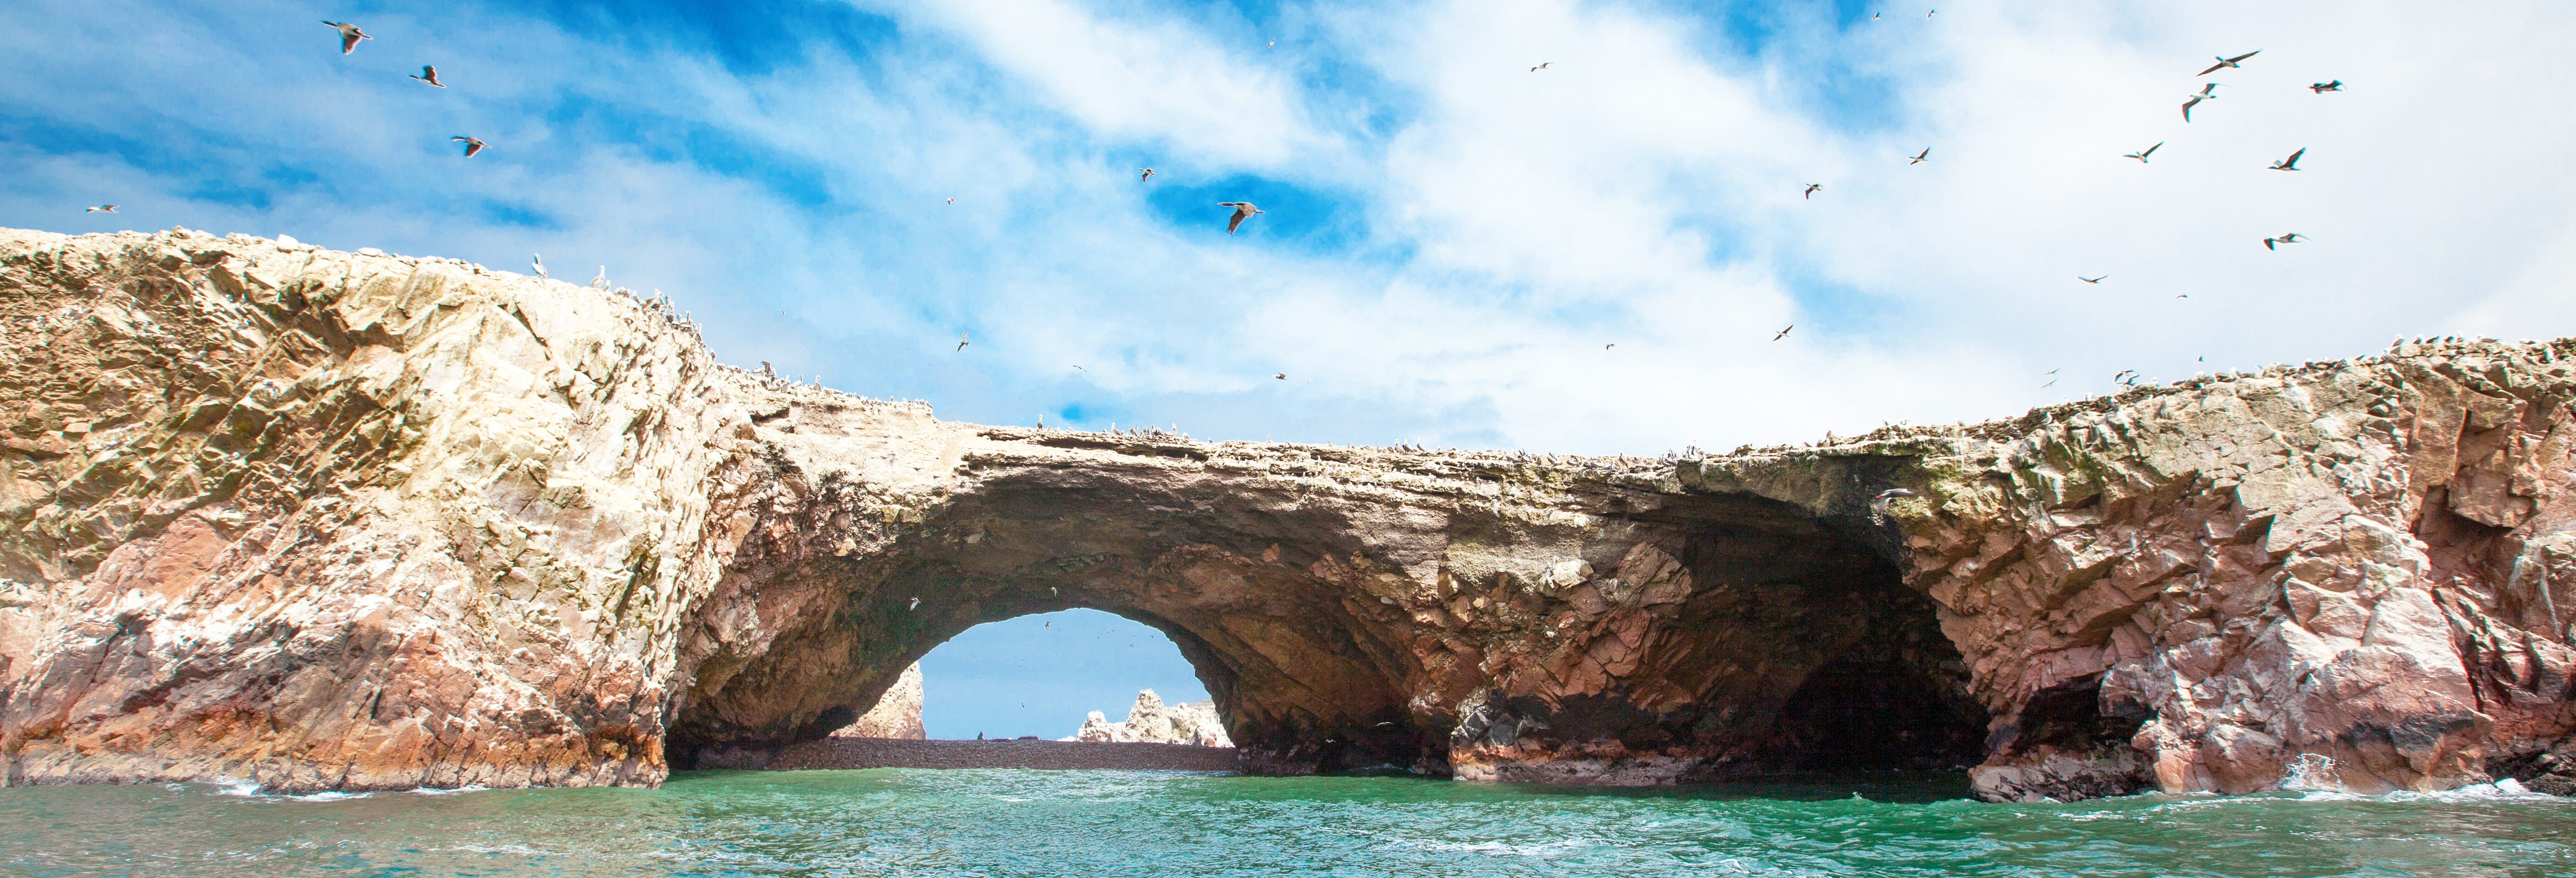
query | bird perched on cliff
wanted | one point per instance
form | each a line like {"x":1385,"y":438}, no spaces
{"x":2290,"y":238}
{"x":1243,"y":210}
{"x":472,"y":145}
{"x":2092,"y":280}
{"x":1144,"y":174}
{"x":429,"y":75}
{"x":2141,"y":155}
{"x":2291,"y":163}
{"x":1811,"y":190}
{"x":349,"y":36}
{"x":1784,"y":332}
{"x":103,"y":208}
{"x":2226,"y":62}
{"x":1542,"y":66}
{"x":961,"y":342}
{"x":2208,"y":92}
{"x":1920,"y":157}
{"x":2323,"y":87}
{"x":600,"y":282}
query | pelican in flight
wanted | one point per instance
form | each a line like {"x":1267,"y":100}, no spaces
{"x":2141,"y":155}
{"x":1811,"y":190}
{"x":1144,"y":174}
{"x":103,"y":208}
{"x":472,"y":145}
{"x":2273,"y":242}
{"x":2208,"y":92}
{"x":429,"y":75}
{"x":2226,"y":62}
{"x":538,"y":261}
{"x":2291,"y":163}
{"x":1921,"y":157}
{"x":2323,"y":87}
{"x":1243,"y":210}
{"x":1784,"y":332}
{"x":349,"y":36}
{"x":2092,"y":280}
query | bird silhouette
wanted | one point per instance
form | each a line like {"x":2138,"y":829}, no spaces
{"x":1784,"y":332}
{"x":1283,"y":376}
{"x":1542,"y":67}
{"x":538,"y":261}
{"x":1142,"y":175}
{"x":349,"y":36}
{"x":103,"y":208}
{"x":2323,"y":87}
{"x":1811,"y":190}
{"x":2226,"y":62}
{"x":2291,"y":163}
{"x":600,"y":282}
{"x":2289,"y":238}
{"x":961,"y":342}
{"x":429,"y":75}
{"x":2141,"y":155}
{"x":472,"y":145}
{"x":1243,"y":210}
{"x":1921,"y":157}
{"x":2208,"y":92}
{"x":1610,"y":345}
{"x":2092,"y":280}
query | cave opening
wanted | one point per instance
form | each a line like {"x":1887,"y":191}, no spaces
{"x":1040,"y":675}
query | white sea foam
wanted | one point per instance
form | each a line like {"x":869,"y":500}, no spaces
{"x":447,"y":791}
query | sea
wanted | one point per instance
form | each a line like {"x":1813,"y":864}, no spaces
{"x":1146,"y":823}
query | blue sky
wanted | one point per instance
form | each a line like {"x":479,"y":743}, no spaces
{"x":1038,"y":675}
{"x":1452,"y":239}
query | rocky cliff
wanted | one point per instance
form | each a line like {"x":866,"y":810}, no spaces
{"x":348,"y":521}
{"x":897,"y":713}
{"x":1151,"y":721}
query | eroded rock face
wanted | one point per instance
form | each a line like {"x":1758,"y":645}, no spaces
{"x":897,"y":713}
{"x":326,"y":520}
{"x":1151,"y":721}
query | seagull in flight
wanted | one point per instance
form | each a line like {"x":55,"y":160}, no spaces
{"x":2141,"y":155}
{"x":1887,"y":498}
{"x":429,"y":75}
{"x":1243,"y":210}
{"x":961,"y":342}
{"x":538,"y":261}
{"x":2092,"y":280}
{"x":1921,"y":157}
{"x":1283,"y":376}
{"x":1610,"y":345}
{"x":103,"y":208}
{"x":2225,"y":62}
{"x":2052,"y":379}
{"x":2323,"y":87}
{"x":2289,"y":238}
{"x":1811,"y":190}
{"x":2291,"y":163}
{"x":1144,"y":174}
{"x":472,"y":145}
{"x":2208,"y":92}
{"x":349,"y":36}
{"x":1784,"y":332}
{"x":1542,"y":67}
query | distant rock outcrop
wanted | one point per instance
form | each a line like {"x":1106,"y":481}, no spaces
{"x":897,"y":714}
{"x":1151,"y":721}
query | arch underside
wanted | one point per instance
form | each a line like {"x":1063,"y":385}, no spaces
{"x":1719,"y":637}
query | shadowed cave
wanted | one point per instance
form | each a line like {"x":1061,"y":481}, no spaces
{"x":1746,"y":637}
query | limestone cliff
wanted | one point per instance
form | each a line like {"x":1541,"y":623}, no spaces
{"x":1151,"y":721}
{"x":897,"y":713}
{"x":327,"y":520}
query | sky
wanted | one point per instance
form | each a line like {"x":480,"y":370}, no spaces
{"x":1038,"y":675}
{"x":1456,"y":250}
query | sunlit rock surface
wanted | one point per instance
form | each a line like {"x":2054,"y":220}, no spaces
{"x":1153,"y":722}
{"x":897,"y":713}
{"x":350,"y":521}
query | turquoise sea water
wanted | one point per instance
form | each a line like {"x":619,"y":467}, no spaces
{"x":1096,"y":823}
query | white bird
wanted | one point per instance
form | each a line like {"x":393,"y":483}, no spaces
{"x":2291,"y":163}
{"x":472,"y":145}
{"x":1888,"y":498}
{"x":1811,"y":190}
{"x":538,"y":261}
{"x":1243,"y":210}
{"x":2141,"y":155}
{"x":1784,"y":332}
{"x":103,"y":208}
{"x":1542,"y":67}
{"x":600,"y":282}
{"x":915,"y":605}
{"x":1919,"y":158}
{"x":2225,"y":62}
{"x":349,"y":36}
{"x":429,"y":75}
{"x":2208,"y":92}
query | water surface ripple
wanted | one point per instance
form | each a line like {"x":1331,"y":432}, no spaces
{"x":1050,"y":823}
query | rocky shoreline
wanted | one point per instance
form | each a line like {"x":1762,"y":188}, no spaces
{"x":364,"y":521}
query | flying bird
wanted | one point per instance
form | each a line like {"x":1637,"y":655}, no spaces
{"x":538,"y":261}
{"x":1929,"y":14}
{"x":2225,"y":62}
{"x":429,"y":75}
{"x":1243,"y":210}
{"x":1273,"y":44}
{"x":915,"y":605}
{"x":2291,"y":163}
{"x":1921,"y":157}
{"x":961,"y":342}
{"x":1610,"y":345}
{"x":1888,"y":498}
{"x":1873,"y":16}
{"x":1143,"y":174}
{"x":2208,"y":92}
{"x":2323,"y":87}
{"x":2289,"y":238}
{"x":952,"y":201}
{"x":1283,"y":376}
{"x":1811,"y":190}
{"x":103,"y":208}
{"x":2052,"y":379}
{"x":2141,"y":155}
{"x":1784,"y":332}
{"x":349,"y":36}
{"x":472,"y":145}
{"x":2092,"y":280}
{"x":1542,"y":67}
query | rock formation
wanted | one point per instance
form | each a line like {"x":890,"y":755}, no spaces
{"x":897,"y":713}
{"x":353,"y":521}
{"x":1151,"y":721}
